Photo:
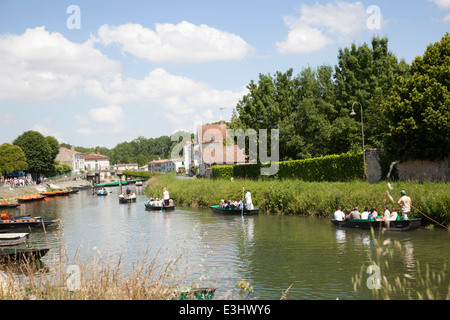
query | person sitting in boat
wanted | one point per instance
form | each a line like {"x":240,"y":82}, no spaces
{"x":347,"y":214}
{"x":235,"y":203}
{"x":365,"y":214}
{"x":240,"y":205}
{"x":373,"y":213}
{"x":339,"y":215}
{"x":222,"y":202}
{"x":230,"y":205}
{"x":133,"y":195}
{"x":122,"y":196}
{"x":355,"y":214}
{"x":170,"y":202}
{"x":394,"y":214}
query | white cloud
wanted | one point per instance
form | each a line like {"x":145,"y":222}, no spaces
{"x":107,"y":115}
{"x":47,"y":131}
{"x":443,"y":4}
{"x":176,"y":97}
{"x":320,"y":25}
{"x":183,"y":42}
{"x":40,"y":65}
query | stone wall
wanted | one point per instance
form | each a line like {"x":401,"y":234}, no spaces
{"x":424,"y":170}
{"x":409,"y":170}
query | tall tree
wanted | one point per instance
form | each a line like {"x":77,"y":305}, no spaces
{"x":367,"y":74}
{"x":12,"y":159}
{"x":418,"y":112}
{"x":38,"y":153}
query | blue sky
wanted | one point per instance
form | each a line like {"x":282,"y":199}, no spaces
{"x":116,"y":70}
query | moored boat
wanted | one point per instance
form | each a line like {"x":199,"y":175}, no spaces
{"x":158,"y":208}
{"x":12,"y":239}
{"x":195,"y":293}
{"x":396,"y":225}
{"x":25,"y":222}
{"x":229,"y":211}
{"x":7,"y":205}
{"x":55,"y":193}
{"x":33,"y":197}
{"x":25,"y":254}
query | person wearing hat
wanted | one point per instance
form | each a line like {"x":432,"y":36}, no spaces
{"x":405,"y":203}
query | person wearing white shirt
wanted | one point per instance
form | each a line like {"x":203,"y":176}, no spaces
{"x":365,"y":214}
{"x":248,"y":200}
{"x":405,"y":203}
{"x":339,"y":215}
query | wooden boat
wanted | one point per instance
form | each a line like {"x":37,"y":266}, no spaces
{"x":245,"y":212}
{"x":110,"y":184}
{"x":74,"y":190}
{"x":195,"y":294}
{"x":397,"y":225}
{"x":55,"y":193}
{"x":26,"y":222}
{"x":157,"y":208}
{"x":23,"y":254}
{"x":102,"y":192}
{"x":12,"y":239}
{"x":7,"y":205}
{"x":127,"y":200}
{"x":138,"y":183}
{"x":34,"y":197}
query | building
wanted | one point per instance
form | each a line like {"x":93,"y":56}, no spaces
{"x":96,"y":162}
{"x":209,"y":149}
{"x":126,"y":166}
{"x":72,"y":158}
{"x":166,"y":165}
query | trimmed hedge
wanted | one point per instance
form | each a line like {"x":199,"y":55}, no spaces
{"x":344,"y":167}
{"x":139,"y":174}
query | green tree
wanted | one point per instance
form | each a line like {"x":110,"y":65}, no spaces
{"x":367,"y":74}
{"x":12,"y":159}
{"x":38,"y":153}
{"x":418,"y":112}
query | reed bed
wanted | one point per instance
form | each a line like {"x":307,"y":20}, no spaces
{"x":92,"y":277}
{"x":306,"y":198}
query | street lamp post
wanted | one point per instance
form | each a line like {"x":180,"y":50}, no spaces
{"x":353,"y":113}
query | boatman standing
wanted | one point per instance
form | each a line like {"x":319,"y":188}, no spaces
{"x":248,"y":200}
{"x":166,"y":197}
{"x":405,"y":203}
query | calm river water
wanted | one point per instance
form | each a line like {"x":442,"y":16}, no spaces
{"x":309,"y":255}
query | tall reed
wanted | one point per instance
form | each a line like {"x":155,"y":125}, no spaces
{"x":306,"y":198}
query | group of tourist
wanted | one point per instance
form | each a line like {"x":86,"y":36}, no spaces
{"x":18,"y":182}
{"x":166,"y":200}
{"x":371,"y":214}
{"x":237,"y":203}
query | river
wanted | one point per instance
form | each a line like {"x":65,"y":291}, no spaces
{"x":310,"y":256}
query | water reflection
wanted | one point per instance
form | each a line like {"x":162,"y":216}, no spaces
{"x":273,"y":253}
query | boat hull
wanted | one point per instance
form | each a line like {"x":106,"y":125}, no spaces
{"x":127,"y":200}
{"x":154,"y":208}
{"x":12,"y":239}
{"x":26,"y":223}
{"x":245,"y":212}
{"x":14,"y":254}
{"x":398,"y":225}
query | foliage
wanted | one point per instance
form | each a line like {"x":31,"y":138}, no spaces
{"x":312,"y":109}
{"x":12,"y":159}
{"x":345,"y":167}
{"x":39,"y":155}
{"x":139,"y":174}
{"x":418,"y":112}
{"x":293,"y":196}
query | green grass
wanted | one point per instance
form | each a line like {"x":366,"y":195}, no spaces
{"x":306,"y":198}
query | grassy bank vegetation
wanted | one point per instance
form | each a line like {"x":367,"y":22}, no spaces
{"x":305,"y":198}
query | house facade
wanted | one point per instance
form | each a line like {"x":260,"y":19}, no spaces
{"x":96,"y":162}
{"x":210,"y":149}
{"x":72,"y":158}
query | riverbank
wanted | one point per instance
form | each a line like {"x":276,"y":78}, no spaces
{"x":306,"y":198}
